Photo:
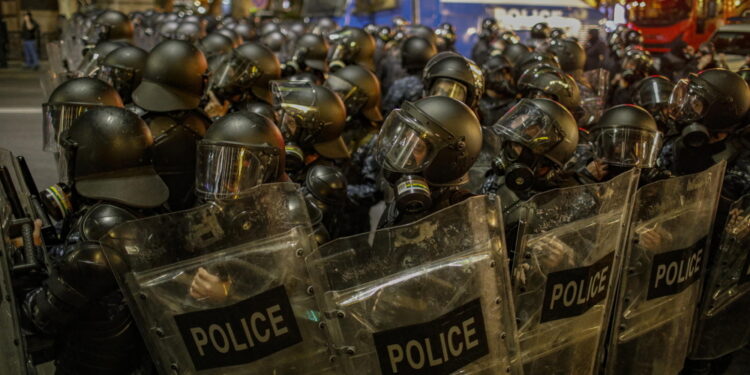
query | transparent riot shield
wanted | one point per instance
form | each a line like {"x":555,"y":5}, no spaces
{"x":663,"y":272}
{"x":565,"y":271}
{"x":722,"y":325}
{"x":222,"y":288}
{"x":56,"y":73}
{"x":431,"y":297}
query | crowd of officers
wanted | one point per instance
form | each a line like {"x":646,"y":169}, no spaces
{"x":167,"y":111}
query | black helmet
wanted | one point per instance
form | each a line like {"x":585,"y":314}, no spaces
{"x":717,"y":98}
{"x":570,"y":55}
{"x":509,"y":37}
{"x":437,"y":137}
{"x":535,"y":60}
{"x":245,"y":31}
{"x":450,"y":74}
{"x":215,"y":44}
{"x":399,"y":21}
{"x":107,"y":153}
{"x":543,"y":126}
{"x":297,"y":28}
{"x":189,"y":31}
{"x":627,"y":136}
{"x":551,"y":84}
{"x":168,"y":29}
{"x":385,"y":34}
{"x":250,"y":67}
{"x":69,"y":101}
{"x":229,"y":33}
{"x":111,"y":25}
{"x":497,"y":71}
{"x":490,"y":29}
{"x":637,"y":63}
{"x":327,"y":184}
{"x":92,"y":60}
{"x":652,"y":93}
{"x":274,"y":40}
{"x":446,"y":37}
{"x":633,"y":38}
{"x":312,"y":116}
{"x":540,"y":30}
{"x":174,"y":78}
{"x":325,"y":26}
{"x":240,"y":151}
{"x":123,"y":70}
{"x":421,"y":31}
{"x":416,"y":52}
{"x":352,"y":46}
{"x":557,"y":33}
{"x":313,"y":50}
{"x":359,"y":88}
{"x":261,"y":108}
{"x":516,"y":53}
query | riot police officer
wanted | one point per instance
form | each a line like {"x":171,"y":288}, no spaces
{"x":652,"y":94}
{"x":415,"y":53}
{"x":69,"y":101}
{"x":110,"y":25}
{"x":540,"y":35}
{"x":636,"y":65}
{"x":168,"y":98}
{"x":107,"y":152}
{"x":499,"y":96}
{"x":450,"y":74}
{"x":123,"y":70}
{"x":546,"y":82}
{"x":351,"y":45}
{"x":426,"y":149}
{"x":310,"y":53}
{"x":489,"y":33}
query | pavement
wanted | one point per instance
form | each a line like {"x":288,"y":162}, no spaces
{"x":21,"y":101}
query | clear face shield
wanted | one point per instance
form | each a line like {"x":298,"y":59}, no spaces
{"x":407,"y":144}
{"x":298,"y":113}
{"x":690,"y":102}
{"x":448,"y":87}
{"x":57,"y":119}
{"x":124,"y":80}
{"x":654,"y":97}
{"x":234,"y":72}
{"x":225,"y":170}
{"x":529,"y":126}
{"x":351,"y":95}
{"x":628,"y":147}
{"x":94,"y":33}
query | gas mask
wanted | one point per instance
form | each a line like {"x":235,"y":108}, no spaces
{"x":57,"y":201}
{"x":522,"y":137}
{"x":408,"y":143}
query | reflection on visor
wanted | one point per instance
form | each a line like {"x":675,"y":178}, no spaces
{"x":352,"y":97}
{"x":122,"y":79}
{"x":653,"y":93}
{"x":297,"y":100}
{"x":628,"y":147}
{"x":449,"y":88}
{"x":687,"y":102}
{"x":57,"y":119}
{"x":228,"y":171}
{"x":236,"y":71}
{"x":528,"y":125}
{"x":404,"y":144}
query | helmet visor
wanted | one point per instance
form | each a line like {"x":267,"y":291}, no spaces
{"x":687,"y":103}
{"x":229,"y":170}
{"x":236,"y":72}
{"x":528,"y":125}
{"x":122,"y":79}
{"x":654,"y":93}
{"x":90,"y":64}
{"x":628,"y":147}
{"x":57,"y":119}
{"x":405,"y":144}
{"x":296,"y":100}
{"x":351,"y":95}
{"x":448,"y":87}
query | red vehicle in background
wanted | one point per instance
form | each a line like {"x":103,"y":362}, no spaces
{"x":665,"y":22}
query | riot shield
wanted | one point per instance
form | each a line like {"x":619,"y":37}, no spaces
{"x":722,"y":325}
{"x":431,"y":297}
{"x":565,"y":271}
{"x":222,"y":288}
{"x":663,"y":272}
{"x":56,"y":74}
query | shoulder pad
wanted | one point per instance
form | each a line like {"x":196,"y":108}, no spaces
{"x":101,"y":218}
